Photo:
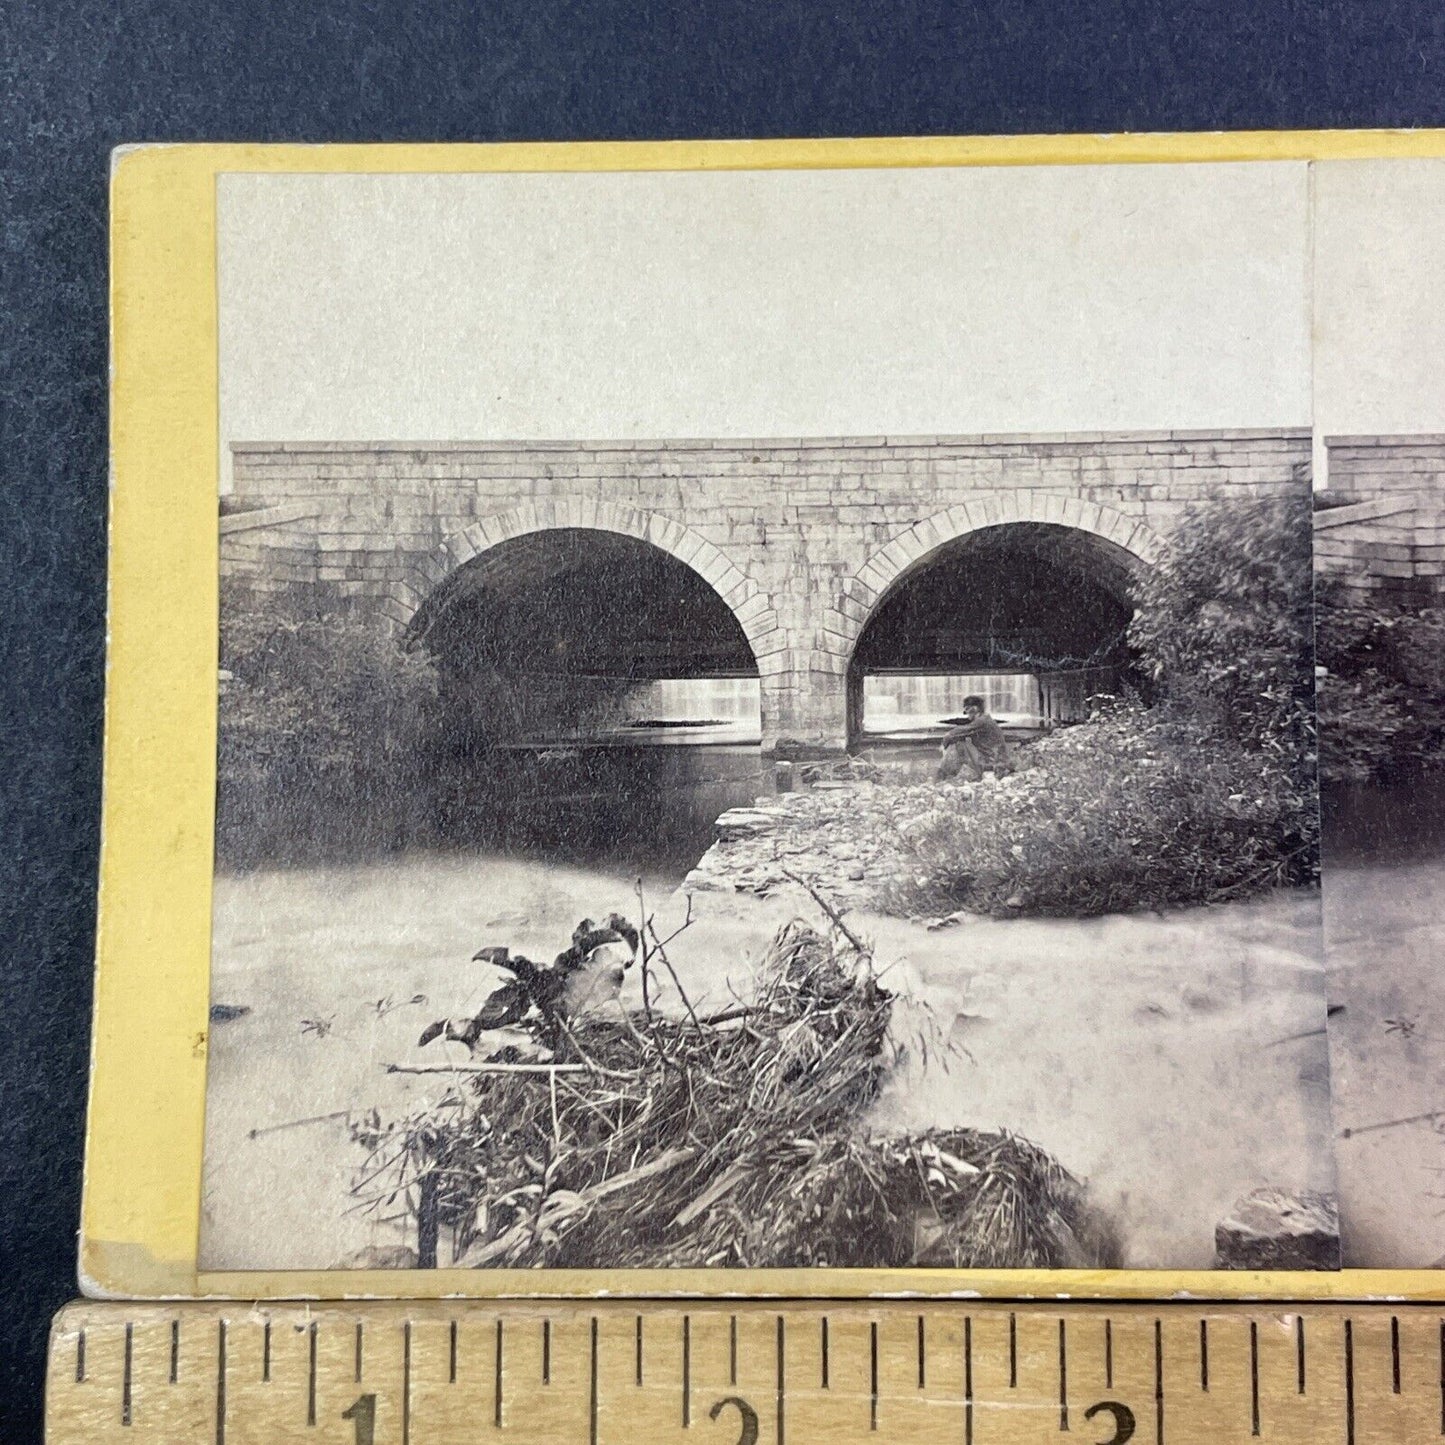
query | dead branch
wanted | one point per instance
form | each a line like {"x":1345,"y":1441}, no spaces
{"x":828,"y":909}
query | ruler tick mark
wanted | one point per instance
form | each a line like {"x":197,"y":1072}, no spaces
{"x":80,"y":1357}
{"x":1063,"y":1377}
{"x":732,"y":1349}
{"x":824,"y":1347}
{"x":546,"y":1352}
{"x":452,"y":1354}
{"x":497,"y":1406}
{"x":1013,"y":1351}
{"x":358,"y":1352}
{"x":1349,"y":1383}
{"x":781,"y":1337}
{"x":125,"y":1381}
{"x":686,"y":1371}
{"x":1158,"y":1383}
{"x":1204,"y":1355}
{"x":266,"y":1351}
{"x":1299,"y":1353}
{"x":1442,"y":1377}
{"x":1395,"y":1353}
{"x":922,"y":1369}
{"x":873,"y":1375}
{"x":1108,"y":1354}
{"x":1253,"y":1377}
{"x":592,"y":1380}
{"x":311,"y":1374}
{"x":221,"y":1383}
{"x":968,"y":1380}
{"x":175,"y":1351}
{"x":405,"y":1383}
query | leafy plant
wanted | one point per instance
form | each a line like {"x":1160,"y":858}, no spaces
{"x":1135,"y":809}
{"x":1382,"y":687}
{"x":323,"y":728}
{"x":1224,"y":625}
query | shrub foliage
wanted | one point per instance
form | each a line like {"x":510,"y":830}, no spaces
{"x":1381,"y":690}
{"x":1224,"y":625}
{"x":323,"y":730}
{"x":1208,"y":793}
{"x":1135,"y":809}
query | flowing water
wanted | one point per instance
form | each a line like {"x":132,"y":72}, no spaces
{"x":1384,"y":900}
{"x":1176,"y":1060}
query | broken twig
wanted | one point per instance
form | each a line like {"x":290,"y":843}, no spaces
{"x":486,"y":1069}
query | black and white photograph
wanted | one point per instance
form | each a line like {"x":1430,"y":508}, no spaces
{"x":768,"y":719}
{"x":1379,"y":550}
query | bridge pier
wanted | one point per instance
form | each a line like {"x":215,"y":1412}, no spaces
{"x":805,"y":709}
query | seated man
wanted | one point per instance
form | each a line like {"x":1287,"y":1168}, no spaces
{"x":975,"y":745}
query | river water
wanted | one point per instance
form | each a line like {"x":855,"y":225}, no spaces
{"x":629,"y":809}
{"x":1384,"y":898}
{"x":1176,"y":1061}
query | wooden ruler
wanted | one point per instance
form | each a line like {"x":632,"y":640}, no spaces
{"x":755,"y":1373}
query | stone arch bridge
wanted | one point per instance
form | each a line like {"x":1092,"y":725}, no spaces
{"x":808,"y":562}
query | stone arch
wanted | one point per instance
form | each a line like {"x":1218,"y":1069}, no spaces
{"x":903,"y":552}
{"x":749,"y":604}
{"x":1117,"y":544}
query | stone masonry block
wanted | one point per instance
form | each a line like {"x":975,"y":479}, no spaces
{"x":460,"y":549}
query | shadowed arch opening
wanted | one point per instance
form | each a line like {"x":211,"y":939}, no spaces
{"x":1031,"y":615}
{"x":572,"y":633}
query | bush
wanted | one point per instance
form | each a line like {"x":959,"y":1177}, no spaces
{"x":1382,"y":688}
{"x":1225,"y":625}
{"x":323,"y":731}
{"x":1208,"y":794}
{"x":1131,"y":810}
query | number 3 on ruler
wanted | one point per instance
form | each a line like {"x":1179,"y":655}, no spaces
{"x":1121,"y":1415}
{"x":364,"y":1413}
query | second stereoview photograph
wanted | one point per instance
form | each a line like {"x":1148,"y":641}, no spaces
{"x":1379,"y":546}
{"x":768,"y":719}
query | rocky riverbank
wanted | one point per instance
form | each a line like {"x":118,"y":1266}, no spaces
{"x":846,"y":836}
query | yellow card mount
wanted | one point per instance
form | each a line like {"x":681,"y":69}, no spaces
{"x":753,"y":1373}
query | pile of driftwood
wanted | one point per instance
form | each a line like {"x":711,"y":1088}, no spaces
{"x":734,"y":1139}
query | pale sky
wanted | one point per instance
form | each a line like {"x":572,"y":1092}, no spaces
{"x":1380,"y":297}
{"x":819,"y":303}
{"x":814,"y":303}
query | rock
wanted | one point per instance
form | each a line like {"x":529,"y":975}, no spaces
{"x":954,"y":920}
{"x":1276,"y":1229}
{"x":746,"y":823}
{"x":700,"y":881}
{"x":800,"y":750}
{"x":857,"y":875}
{"x":382,"y":1256}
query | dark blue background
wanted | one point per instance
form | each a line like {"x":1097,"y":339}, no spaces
{"x":77,"y":79}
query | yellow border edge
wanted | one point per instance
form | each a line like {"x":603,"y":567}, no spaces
{"x":140,"y":1218}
